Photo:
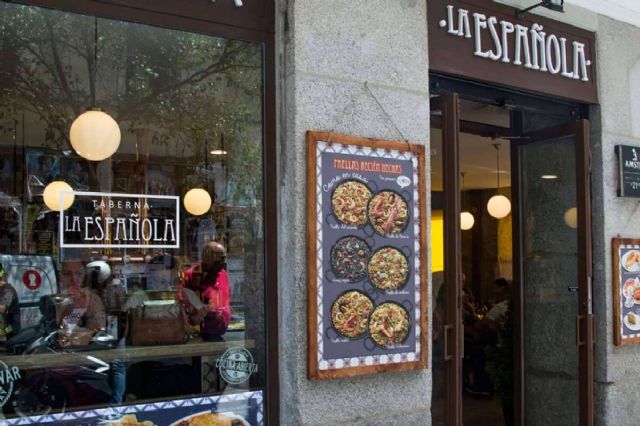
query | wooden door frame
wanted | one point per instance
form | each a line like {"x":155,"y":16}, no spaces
{"x":450,"y":91}
{"x":585,"y":320}
{"x":453,"y":331}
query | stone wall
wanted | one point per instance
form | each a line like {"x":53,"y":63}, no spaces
{"x":328,"y":50}
{"x":615,"y":123}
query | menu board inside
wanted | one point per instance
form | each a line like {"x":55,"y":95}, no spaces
{"x":626,"y":290}
{"x":367,"y":252}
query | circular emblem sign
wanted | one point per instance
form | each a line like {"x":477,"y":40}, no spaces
{"x":236,"y":365}
{"x":32,"y":279}
{"x":7,"y":377}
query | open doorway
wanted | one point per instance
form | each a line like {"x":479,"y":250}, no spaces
{"x":512,"y":328}
{"x":486,"y":263}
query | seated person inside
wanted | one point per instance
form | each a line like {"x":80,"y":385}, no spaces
{"x":87,"y":315}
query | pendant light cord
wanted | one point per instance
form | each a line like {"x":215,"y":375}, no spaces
{"x":94,"y":75}
{"x":462,"y":188}
{"x":497,"y":146}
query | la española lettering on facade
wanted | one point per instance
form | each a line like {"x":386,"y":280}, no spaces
{"x":533,"y":48}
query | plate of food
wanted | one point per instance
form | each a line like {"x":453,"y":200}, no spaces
{"x":388,"y":212}
{"x":388,"y":269}
{"x":207,"y":418}
{"x":631,"y":289}
{"x":632,"y":321}
{"x":349,"y":257}
{"x":389,"y":324}
{"x":631,"y":261}
{"x":350,"y":313}
{"x":128,"y":420}
{"x":349,"y":202}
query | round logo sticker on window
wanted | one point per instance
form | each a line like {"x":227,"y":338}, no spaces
{"x":7,"y":376}
{"x":32,"y":279}
{"x":236,"y":365}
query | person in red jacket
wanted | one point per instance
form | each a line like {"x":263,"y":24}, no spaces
{"x":209,"y":279}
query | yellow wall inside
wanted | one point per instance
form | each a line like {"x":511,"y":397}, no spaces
{"x":437,"y":241}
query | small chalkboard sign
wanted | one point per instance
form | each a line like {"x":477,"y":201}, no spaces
{"x":629,"y":167}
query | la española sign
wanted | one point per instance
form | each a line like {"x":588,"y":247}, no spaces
{"x":111,"y":220}
{"x":486,"y":41}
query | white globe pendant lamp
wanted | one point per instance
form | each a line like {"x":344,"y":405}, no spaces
{"x":498,"y":206}
{"x":58,"y":196}
{"x":466,"y":221}
{"x":197,"y":201}
{"x":466,"y":218}
{"x":95,"y":135}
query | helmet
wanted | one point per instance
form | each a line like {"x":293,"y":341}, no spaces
{"x":102,"y":268}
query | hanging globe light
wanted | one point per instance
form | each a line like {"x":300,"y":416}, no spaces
{"x":466,"y":218}
{"x":499,"y":206}
{"x":95,"y":135}
{"x":466,"y":221}
{"x":197,"y":201}
{"x":58,"y":195}
{"x":571,"y":218}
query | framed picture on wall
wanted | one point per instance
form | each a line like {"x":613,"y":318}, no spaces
{"x":626,"y":290}
{"x":367,"y":256}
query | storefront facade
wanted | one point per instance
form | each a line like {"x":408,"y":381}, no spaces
{"x":218,"y":97}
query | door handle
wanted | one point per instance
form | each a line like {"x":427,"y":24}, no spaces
{"x":445,"y":330}
{"x":579,"y":318}
{"x":593,"y":329}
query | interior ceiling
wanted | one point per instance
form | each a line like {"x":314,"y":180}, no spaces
{"x":477,"y":154}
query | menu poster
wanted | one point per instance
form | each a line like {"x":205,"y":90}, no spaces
{"x":626,"y":290}
{"x":366,"y":256}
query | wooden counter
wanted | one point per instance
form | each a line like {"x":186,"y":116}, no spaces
{"x":194,"y":348}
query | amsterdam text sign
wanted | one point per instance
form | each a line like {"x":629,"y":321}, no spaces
{"x":629,"y":170}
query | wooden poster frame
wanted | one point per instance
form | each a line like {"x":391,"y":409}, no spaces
{"x":314,"y":372}
{"x":615,"y":274}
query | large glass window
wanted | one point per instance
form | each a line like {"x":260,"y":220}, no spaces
{"x":139,"y":277}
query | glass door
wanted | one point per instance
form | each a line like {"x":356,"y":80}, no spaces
{"x":552,"y":252}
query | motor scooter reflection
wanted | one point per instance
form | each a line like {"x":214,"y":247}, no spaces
{"x":82,"y":381}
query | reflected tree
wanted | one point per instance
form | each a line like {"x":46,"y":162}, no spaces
{"x":56,"y":65}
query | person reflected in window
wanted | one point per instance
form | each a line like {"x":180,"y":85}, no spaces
{"x":209,"y":279}
{"x":9,"y":309}
{"x":88,"y":309}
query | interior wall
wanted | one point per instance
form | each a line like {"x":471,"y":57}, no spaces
{"x":329,"y":49}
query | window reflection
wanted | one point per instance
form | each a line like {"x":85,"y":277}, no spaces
{"x":189,"y":108}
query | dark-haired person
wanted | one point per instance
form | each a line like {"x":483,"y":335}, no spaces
{"x":210,"y":280}
{"x":9,"y":308}
{"x":88,"y":310}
